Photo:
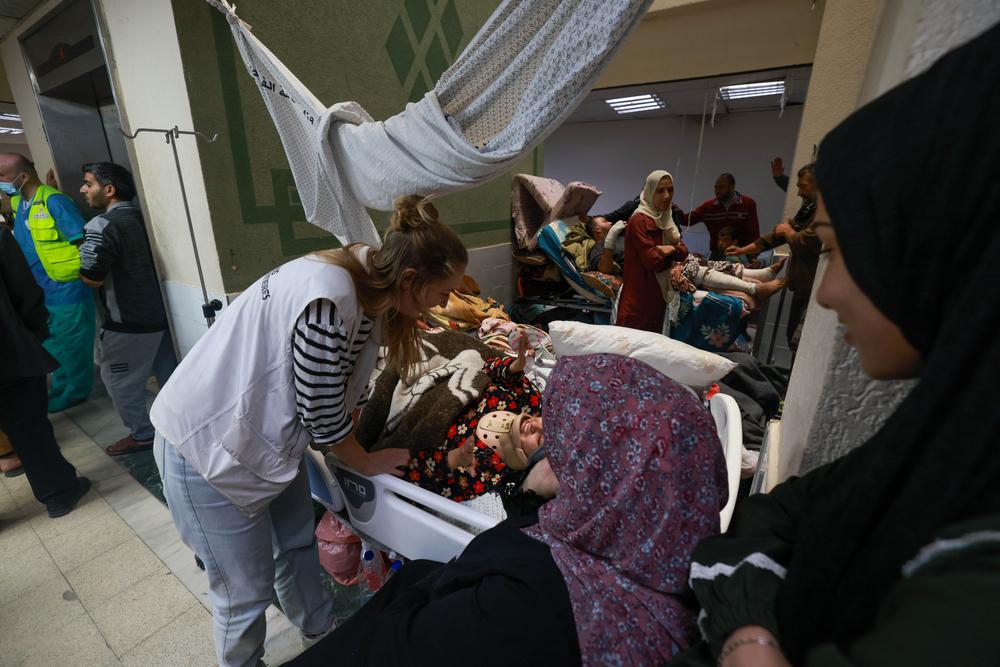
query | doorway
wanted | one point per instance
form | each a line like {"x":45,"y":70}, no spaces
{"x":74,"y":93}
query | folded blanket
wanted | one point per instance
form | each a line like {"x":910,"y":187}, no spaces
{"x":578,"y":244}
{"x":417,"y":416}
{"x":466,"y":311}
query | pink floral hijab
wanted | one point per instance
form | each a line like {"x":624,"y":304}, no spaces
{"x":642,"y":480}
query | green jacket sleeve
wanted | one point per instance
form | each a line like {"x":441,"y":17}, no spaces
{"x":806,"y":243}
{"x":736,"y":576}
{"x":768,"y":241}
{"x":944,"y":611}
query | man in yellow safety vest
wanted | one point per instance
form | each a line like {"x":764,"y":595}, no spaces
{"x":48,"y":228}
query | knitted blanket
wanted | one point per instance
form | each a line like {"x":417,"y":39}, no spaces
{"x":417,"y":415}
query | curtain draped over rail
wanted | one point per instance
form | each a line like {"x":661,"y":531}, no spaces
{"x":523,"y":73}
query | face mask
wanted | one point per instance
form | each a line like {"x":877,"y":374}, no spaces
{"x":8,"y":188}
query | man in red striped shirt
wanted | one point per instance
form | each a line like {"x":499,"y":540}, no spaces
{"x":728,"y":209}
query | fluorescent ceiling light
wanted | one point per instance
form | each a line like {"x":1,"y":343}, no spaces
{"x":10,"y":116}
{"x":10,"y":130}
{"x":634,"y":103}
{"x":743,"y":90}
{"x":634,"y":98}
{"x":637,"y":107}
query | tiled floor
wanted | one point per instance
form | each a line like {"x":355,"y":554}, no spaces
{"x":98,"y":419}
{"x":109,"y":583}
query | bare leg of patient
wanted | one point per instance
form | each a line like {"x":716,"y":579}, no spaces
{"x":740,"y":271}
{"x":716,"y":280}
{"x":763,"y":275}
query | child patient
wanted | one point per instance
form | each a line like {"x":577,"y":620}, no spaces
{"x":726,"y":273}
{"x":725,"y":239}
{"x":719,"y":273}
{"x":493,"y":442}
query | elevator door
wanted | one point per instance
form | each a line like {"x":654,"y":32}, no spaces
{"x":74,"y":94}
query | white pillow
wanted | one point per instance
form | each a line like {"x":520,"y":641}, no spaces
{"x":678,"y":361}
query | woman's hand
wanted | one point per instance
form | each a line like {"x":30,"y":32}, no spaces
{"x":742,"y":649}
{"x":666,"y":250}
{"x":523,"y":352}
{"x":385,"y":461}
{"x":542,"y":480}
{"x":351,"y":453}
{"x":464,"y":456}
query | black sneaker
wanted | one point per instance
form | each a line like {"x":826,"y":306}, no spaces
{"x":67,"y":506}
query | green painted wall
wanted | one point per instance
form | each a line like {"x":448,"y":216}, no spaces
{"x":381,"y":53}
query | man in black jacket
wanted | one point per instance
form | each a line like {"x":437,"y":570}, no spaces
{"x":23,"y":393}
{"x":115,"y":259}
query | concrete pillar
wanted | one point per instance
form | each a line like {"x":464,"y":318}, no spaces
{"x":144,"y":63}
{"x":832,"y":406}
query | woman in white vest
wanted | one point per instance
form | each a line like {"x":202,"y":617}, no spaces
{"x":286,"y":364}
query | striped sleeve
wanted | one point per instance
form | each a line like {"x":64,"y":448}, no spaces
{"x":99,"y":249}
{"x":322,"y":369}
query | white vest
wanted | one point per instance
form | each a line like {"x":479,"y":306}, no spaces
{"x":229,"y":407}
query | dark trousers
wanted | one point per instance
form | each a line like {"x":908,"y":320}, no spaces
{"x":24,"y":418}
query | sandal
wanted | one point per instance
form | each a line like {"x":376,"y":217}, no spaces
{"x":10,"y":465}
{"x":128,"y":445}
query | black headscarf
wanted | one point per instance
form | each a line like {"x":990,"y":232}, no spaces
{"x":912,"y":184}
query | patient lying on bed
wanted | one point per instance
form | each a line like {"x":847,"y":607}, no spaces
{"x":600,"y":574}
{"x":493,"y":442}
{"x":692,"y":273}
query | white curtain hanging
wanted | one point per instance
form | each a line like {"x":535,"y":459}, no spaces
{"x":523,"y":73}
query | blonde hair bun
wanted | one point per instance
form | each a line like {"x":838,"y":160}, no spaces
{"x":411,"y":213}
{"x":416,"y":239}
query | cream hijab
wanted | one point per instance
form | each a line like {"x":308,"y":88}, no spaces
{"x":664,"y":219}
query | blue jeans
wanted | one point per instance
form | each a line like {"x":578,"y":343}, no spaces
{"x":248,"y":560}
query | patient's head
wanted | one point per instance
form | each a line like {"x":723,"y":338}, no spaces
{"x":516,"y":437}
{"x":599,"y":226}
{"x":726,"y":237}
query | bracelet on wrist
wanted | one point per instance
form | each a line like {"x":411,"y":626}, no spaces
{"x":733,"y":644}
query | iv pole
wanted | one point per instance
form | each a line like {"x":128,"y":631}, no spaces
{"x":209,"y":307}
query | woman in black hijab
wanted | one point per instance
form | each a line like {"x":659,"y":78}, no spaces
{"x":890,"y":555}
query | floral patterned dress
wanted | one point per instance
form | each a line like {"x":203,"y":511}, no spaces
{"x":508,"y":390}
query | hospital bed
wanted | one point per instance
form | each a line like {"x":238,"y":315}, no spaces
{"x":539,"y":208}
{"x":584,"y":297}
{"x":550,"y":240}
{"x":417,"y":523}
